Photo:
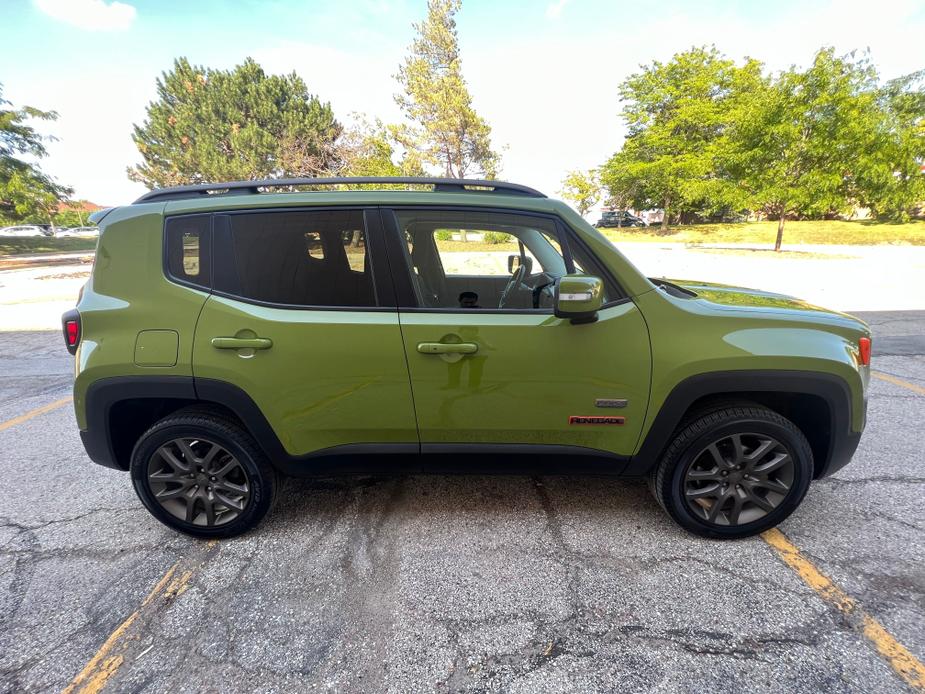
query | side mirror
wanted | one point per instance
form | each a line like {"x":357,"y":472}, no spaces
{"x":579,"y":297}
{"x":515,"y":261}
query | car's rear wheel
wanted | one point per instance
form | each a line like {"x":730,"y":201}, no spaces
{"x":203,"y":475}
{"x":734,"y":472}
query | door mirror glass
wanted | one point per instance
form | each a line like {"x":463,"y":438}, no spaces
{"x":579,"y":298}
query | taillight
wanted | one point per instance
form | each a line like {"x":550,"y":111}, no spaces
{"x":70,"y":322}
{"x":864,"y":351}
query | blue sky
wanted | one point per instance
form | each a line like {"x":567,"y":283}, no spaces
{"x":544,"y":73}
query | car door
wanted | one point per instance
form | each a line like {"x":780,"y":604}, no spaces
{"x":302,"y":319}
{"x":499,"y":368}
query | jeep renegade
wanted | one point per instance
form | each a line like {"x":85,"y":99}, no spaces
{"x":229,"y":334}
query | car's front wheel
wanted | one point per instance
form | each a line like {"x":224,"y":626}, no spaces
{"x":734,"y":471}
{"x":203,"y":475}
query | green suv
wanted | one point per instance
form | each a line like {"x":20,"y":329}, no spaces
{"x":230,"y":334}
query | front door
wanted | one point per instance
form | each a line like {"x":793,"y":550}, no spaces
{"x":302,"y":319}
{"x":489,"y":362}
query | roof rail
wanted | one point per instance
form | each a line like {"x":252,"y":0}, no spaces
{"x":455,"y":185}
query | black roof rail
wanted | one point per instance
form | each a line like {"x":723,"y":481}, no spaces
{"x":455,"y":185}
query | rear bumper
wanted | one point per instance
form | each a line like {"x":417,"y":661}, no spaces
{"x":96,"y":443}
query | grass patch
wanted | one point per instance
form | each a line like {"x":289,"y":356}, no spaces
{"x":45,"y":244}
{"x":859,"y":233}
{"x":477,"y":246}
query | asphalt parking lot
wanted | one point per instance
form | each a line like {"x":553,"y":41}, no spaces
{"x":457,"y":583}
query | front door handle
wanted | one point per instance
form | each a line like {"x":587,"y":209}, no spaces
{"x":242,"y":342}
{"x":447,"y":347}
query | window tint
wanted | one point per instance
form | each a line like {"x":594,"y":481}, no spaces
{"x":188,"y":249}
{"x":473,"y":259}
{"x":296,"y":258}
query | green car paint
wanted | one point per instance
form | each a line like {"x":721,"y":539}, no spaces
{"x":324,"y":379}
{"x":529,"y":375}
{"x":331,"y":378}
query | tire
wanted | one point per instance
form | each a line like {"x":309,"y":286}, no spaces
{"x":203,"y":475}
{"x":720,"y":456}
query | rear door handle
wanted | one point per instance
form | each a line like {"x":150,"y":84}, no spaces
{"x":447,"y":347}
{"x":242,"y":342}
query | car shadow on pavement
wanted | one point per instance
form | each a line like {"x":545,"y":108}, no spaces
{"x":498,"y":499}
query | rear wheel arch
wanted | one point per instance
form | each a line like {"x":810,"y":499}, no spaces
{"x":120,"y":410}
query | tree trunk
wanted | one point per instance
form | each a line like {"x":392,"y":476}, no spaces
{"x":462,"y":236}
{"x":356,"y":239}
{"x":663,"y":229}
{"x":780,"y":231}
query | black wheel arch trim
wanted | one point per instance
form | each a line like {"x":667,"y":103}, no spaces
{"x":832,"y":389}
{"x":104,"y":393}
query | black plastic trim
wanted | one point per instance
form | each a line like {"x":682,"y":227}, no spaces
{"x":834,"y":390}
{"x":103,"y":394}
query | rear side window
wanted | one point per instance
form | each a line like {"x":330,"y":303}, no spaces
{"x":188,"y":249}
{"x":302,"y":258}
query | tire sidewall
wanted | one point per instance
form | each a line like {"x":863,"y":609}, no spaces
{"x":673,"y":483}
{"x":260,"y":482}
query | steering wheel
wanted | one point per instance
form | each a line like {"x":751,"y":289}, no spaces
{"x":515,"y":281}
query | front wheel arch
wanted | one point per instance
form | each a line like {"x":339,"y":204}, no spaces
{"x":818,"y":403}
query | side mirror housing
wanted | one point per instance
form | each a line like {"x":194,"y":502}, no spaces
{"x":579,"y":298}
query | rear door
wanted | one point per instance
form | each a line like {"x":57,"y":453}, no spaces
{"x":490,"y":364}
{"x":302,"y":319}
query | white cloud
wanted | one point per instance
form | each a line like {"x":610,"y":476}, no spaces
{"x":94,"y":15}
{"x":554,"y":9}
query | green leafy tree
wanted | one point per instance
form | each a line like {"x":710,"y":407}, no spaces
{"x":217,"y":125}
{"x":893,"y":183}
{"x":446,"y":129}
{"x":74,"y":214}
{"x":26,"y":193}
{"x":582,"y":189}
{"x":800,"y":143}
{"x":675,"y":114}
{"x":374,"y":149}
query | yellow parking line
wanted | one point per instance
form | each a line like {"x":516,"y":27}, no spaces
{"x":34,"y":413}
{"x":898,"y":382}
{"x":906,"y":665}
{"x":102,"y":666}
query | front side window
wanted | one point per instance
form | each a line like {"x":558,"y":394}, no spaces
{"x":483,"y":260}
{"x":299,"y":258}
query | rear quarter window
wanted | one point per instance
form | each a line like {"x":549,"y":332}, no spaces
{"x":188,"y":249}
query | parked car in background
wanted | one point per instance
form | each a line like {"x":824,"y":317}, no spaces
{"x":23,"y":230}
{"x":78,"y":231}
{"x":619,"y":218}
